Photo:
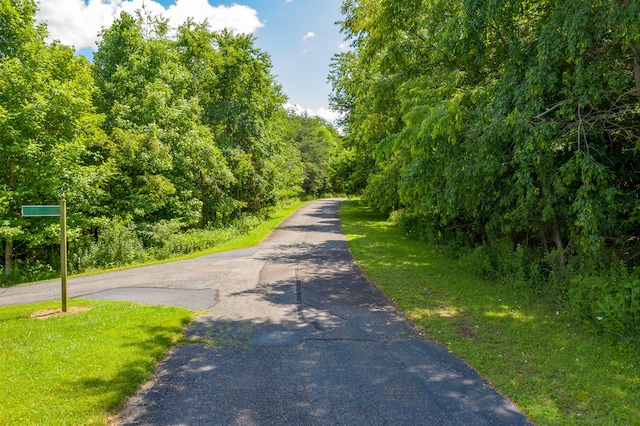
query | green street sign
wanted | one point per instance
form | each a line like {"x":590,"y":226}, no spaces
{"x":61,"y":210}
{"x":33,"y":211}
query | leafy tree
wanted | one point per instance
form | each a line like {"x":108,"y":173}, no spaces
{"x":501,"y":121}
{"x":244,"y":107}
{"x":170,"y":166}
{"x":46,"y":121}
{"x":316,"y":140}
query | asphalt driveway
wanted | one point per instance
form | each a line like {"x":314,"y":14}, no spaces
{"x":293,"y":334}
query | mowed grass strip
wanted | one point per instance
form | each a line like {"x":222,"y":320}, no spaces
{"x":79,"y":368}
{"x":555,"y":370}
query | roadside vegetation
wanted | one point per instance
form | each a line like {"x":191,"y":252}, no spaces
{"x":79,"y":368}
{"x":201,"y":242}
{"x":549,"y":361}
{"x":170,"y":141}
{"x":508,"y":129}
{"x":504,"y":133}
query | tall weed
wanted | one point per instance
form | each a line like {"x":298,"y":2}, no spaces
{"x":117,"y":244}
{"x":610,"y":302}
{"x":29,"y":271}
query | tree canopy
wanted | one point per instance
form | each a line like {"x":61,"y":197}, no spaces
{"x":502,"y":124}
{"x":168,"y":130}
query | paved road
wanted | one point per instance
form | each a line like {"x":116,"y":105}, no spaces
{"x":297,"y":336}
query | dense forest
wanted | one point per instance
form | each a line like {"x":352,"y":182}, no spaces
{"x":168,"y":141}
{"x":507,"y":131}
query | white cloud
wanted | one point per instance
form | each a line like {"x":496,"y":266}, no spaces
{"x":308,"y":36}
{"x":343,"y":46}
{"x":238,"y":18}
{"x":77,"y":23}
{"x":328,"y":114}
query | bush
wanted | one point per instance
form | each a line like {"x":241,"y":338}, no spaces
{"x":157,"y":234}
{"x":192,"y":241}
{"x":25,"y":271}
{"x":118,"y":244}
{"x":611,"y":303}
{"x":523,"y":267}
{"x":175,"y":243}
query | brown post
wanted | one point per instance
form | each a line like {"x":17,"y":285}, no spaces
{"x":63,"y":251}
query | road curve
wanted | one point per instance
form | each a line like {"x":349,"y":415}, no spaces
{"x":295,"y":335}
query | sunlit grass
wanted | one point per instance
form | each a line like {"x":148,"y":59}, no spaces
{"x":237,"y":241}
{"x":540,"y":357}
{"x":78,"y":368}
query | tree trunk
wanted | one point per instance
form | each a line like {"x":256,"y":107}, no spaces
{"x":8,"y":254}
{"x":635,"y":50}
{"x":557,"y":237}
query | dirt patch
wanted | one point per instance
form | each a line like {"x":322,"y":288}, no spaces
{"x":465,"y":330}
{"x":50,"y":313}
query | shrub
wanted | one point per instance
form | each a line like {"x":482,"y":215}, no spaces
{"x":117,"y":244}
{"x":610,"y":302}
{"x":192,"y":241}
{"x":25,"y":271}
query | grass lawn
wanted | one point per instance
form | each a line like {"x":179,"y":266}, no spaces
{"x":79,"y":368}
{"x":554,"y":369}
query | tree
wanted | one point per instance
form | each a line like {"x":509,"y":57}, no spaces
{"x":170,"y":166}
{"x":316,"y":140}
{"x":46,"y":114}
{"x":482,"y":121}
{"x":244,"y":108}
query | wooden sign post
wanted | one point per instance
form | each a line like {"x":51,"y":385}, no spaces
{"x":61,"y":210}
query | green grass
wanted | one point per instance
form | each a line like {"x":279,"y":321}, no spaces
{"x":555,"y":370}
{"x":79,"y":368}
{"x":237,"y":241}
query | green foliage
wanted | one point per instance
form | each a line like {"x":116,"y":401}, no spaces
{"x":167,"y":242}
{"x":526,"y":269}
{"x":319,"y":145}
{"x":46,"y":118}
{"x":500,"y":121}
{"x":177,"y":130}
{"x":382,"y":191}
{"x":117,"y":244}
{"x":611,"y":303}
{"x":79,"y":368}
{"x":243,"y":107}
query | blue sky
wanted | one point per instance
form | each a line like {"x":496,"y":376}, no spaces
{"x":300,"y":35}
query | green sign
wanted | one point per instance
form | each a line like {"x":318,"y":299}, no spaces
{"x":28,"y":211}
{"x":61,"y":210}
